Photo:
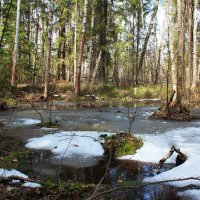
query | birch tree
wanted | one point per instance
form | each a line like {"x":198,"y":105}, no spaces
{"x":195,"y":57}
{"x":180,"y":54}
{"x":15,"y":52}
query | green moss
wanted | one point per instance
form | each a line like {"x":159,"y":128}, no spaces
{"x":49,"y":124}
{"x":122,"y":144}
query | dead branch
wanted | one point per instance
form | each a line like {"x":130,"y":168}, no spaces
{"x":171,"y":98}
{"x":181,"y":156}
{"x":141,"y":185}
{"x":36,"y":110}
{"x":106,"y":172}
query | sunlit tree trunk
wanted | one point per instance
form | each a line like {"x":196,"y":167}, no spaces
{"x":96,"y":69}
{"x":144,"y":48}
{"x":81,"y":48}
{"x":191,"y":42}
{"x":75,"y":43}
{"x":137,"y":47}
{"x":180,"y":53}
{"x":15,"y":52}
{"x":48,"y":63}
{"x":195,"y":57}
{"x":37,"y":27}
{"x":91,"y":45}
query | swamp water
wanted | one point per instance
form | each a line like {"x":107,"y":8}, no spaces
{"x":91,"y":170}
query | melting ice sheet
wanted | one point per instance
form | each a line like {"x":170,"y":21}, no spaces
{"x":68,"y":143}
{"x":157,"y":146}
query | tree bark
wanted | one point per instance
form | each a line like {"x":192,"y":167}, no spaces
{"x":15,"y":52}
{"x":195,"y":57}
{"x":91,"y":45}
{"x":103,"y":7}
{"x":137,"y":50}
{"x":151,"y":25}
{"x":191,"y":43}
{"x":96,"y":69}
{"x":81,"y":48}
{"x":180,"y":55}
{"x":5,"y":24}
{"x":48,"y":63}
{"x":75,"y":43}
{"x":61,"y":70}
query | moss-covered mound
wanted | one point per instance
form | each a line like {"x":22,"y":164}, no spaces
{"x":121,"y":144}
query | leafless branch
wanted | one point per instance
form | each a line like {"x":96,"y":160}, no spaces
{"x":141,"y":185}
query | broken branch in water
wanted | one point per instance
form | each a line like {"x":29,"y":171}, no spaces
{"x":181,"y":158}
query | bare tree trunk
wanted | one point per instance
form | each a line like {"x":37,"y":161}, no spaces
{"x":195,"y":58}
{"x":75,"y":45}
{"x":157,"y":73}
{"x":15,"y":52}
{"x":29,"y":34}
{"x":96,"y":69}
{"x":191,"y":42}
{"x":61,"y":69}
{"x":6,"y":22}
{"x":103,"y":7}
{"x":180,"y":56}
{"x":133,"y":51}
{"x":48,"y":64}
{"x":91,"y":47}
{"x":116,"y":71}
{"x":36,"y":44}
{"x":151,"y":25}
{"x":137,"y":51}
{"x":81,"y":48}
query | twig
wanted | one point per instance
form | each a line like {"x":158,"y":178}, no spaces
{"x":34,"y":108}
{"x":141,"y":186}
{"x":106,"y":172}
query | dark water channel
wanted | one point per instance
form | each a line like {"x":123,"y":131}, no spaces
{"x":111,"y":119}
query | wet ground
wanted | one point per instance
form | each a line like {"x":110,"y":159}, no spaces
{"x":80,"y":117}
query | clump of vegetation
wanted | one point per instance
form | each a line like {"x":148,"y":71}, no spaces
{"x":173,"y":113}
{"x":121,"y":144}
{"x":49,"y":124}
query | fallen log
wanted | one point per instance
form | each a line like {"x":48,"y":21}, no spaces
{"x":181,"y":158}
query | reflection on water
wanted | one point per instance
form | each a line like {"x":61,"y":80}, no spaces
{"x":120,"y":173}
{"x":104,"y":118}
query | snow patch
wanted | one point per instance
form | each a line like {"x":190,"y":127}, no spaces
{"x":48,"y":129}
{"x":67,"y":143}
{"x":7,"y":173}
{"x":26,"y":121}
{"x":190,"y":194}
{"x":157,"y":146}
{"x":31,"y":185}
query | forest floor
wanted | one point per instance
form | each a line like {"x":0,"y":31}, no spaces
{"x":109,"y":93}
